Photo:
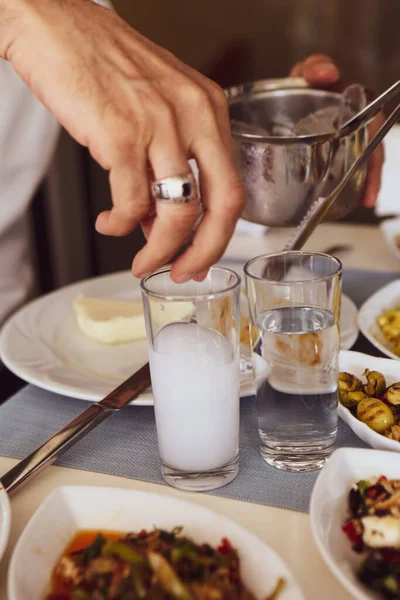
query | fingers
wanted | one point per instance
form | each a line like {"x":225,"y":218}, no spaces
{"x":208,"y":139}
{"x":219,"y":102}
{"x":201,"y":276}
{"x":130,"y":192}
{"x":317,"y":69}
{"x":375,"y":165}
{"x":224,"y":199}
{"x":222,"y":193}
{"x":172,"y":223}
{"x":132,"y":104}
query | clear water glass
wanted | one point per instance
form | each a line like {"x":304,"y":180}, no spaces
{"x":294,"y":300}
{"x":194,"y":349}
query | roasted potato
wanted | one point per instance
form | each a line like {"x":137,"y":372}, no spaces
{"x":392,"y":394}
{"x":351,"y":399}
{"x":376,"y":384}
{"x":375,"y":413}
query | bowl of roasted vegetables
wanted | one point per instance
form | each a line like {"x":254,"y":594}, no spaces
{"x":389,"y":327}
{"x":88,"y":543}
{"x":369,"y":398}
{"x":379,"y":319}
{"x":355,"y":521}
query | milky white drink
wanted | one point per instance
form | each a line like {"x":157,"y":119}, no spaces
{"x":195,"y":381}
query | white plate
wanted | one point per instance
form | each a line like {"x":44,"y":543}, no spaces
{"x":391,"y":232}
{"x":5,"y":520}
{"x":384,"y":299}
{"x":329,"y":504}
{"x":43,"y":345}
{"x":72,"y":508}
{"x":356,"y":363}
{"x":348,"y":323}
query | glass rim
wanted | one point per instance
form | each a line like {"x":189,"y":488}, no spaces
{"x":190,"y":297}
{"x":336,"y":273}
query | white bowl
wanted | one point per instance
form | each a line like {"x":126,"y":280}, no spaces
{"x":356,"y":363}
{"x":5,"y":520}
{"x":72,"y":508}
{"x":391,"y":233}
{"x":329,"y":505}
{"x":384,"y":299}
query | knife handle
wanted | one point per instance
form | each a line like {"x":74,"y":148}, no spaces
{"x":54,"y":447}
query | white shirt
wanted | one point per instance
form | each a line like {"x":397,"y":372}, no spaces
{"x":28,"y":137}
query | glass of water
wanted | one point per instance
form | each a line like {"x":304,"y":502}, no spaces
{"x":294,"y":300}
{"x":193,"y":342}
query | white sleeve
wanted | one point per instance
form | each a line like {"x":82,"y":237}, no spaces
{"x":28,"y":136}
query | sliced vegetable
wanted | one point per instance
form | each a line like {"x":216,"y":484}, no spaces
{"x":138,"y":582}
{"x":94,"y":549}
{"x":350,"y":530}
{"x":103,"y":565}
{"x":225,"y":547}
{"x":391,"y":584}
{"x":278,"y":589}
{"x":167,"y":577}
{"x":185,"y":549}
{"x":362,"y":486}
{"x":123,"y":551}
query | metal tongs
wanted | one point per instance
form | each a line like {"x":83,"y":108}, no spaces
{"x":320,"y":207}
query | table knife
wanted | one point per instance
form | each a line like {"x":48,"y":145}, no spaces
{"x":76,"y":429}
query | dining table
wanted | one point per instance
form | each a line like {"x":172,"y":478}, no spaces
{"x":288,"y":532}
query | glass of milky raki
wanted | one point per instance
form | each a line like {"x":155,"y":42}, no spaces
{"x":294,"y":300}
{"x":193,"y":341}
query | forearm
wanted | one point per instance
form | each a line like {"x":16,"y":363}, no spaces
{"x":14,"y":18}
{"x":11,"y":24}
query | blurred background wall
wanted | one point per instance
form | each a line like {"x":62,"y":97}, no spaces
{"x":231,"y":41}
{"x":363,"y":36}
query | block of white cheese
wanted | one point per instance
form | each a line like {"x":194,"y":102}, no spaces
{"x":381,"y":532}
{"x":112,"y":321}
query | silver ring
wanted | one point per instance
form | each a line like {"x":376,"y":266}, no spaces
{"x":179,"y":189}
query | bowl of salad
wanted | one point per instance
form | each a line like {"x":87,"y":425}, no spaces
{"x":355,"y":521}
{"x":92,"y":543}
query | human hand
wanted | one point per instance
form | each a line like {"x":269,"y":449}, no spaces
{"x":319,"y":69}
{"x":138,"y":109}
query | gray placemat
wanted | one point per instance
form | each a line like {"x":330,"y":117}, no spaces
{"x":125,"y":444}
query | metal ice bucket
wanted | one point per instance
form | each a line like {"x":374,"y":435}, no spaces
{"x":283,"y":174}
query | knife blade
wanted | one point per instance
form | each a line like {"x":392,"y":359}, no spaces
{"x":76,"y":429}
